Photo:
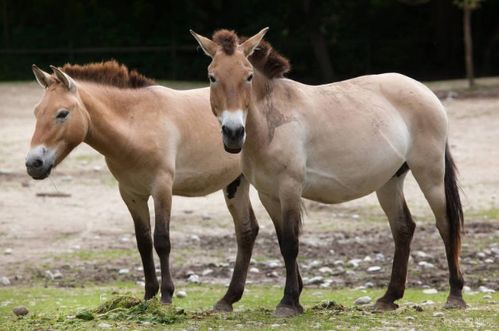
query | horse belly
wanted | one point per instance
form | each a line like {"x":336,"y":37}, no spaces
{"x":335,"y":175}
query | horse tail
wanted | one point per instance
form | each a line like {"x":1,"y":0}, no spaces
{"x":455,"y":216}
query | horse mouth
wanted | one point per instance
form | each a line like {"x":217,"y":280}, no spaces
{"x":39,"y":175}
{"x":232,"y":150}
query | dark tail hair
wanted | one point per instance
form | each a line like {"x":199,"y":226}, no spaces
{"x":453,"y":201}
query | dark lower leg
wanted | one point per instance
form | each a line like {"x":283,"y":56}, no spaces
{"x":162,"y":246}
{"x":403,"y":231}
{"x":289,"y":244}
{"x":144,"y":245}
{"x":456,"y":281}
{"x":246,"y":234}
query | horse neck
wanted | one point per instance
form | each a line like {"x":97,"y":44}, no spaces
{"x":109,"y":129}
{"x":257,"y":122}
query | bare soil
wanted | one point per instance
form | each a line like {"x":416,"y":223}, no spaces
{"x":88,"y":236}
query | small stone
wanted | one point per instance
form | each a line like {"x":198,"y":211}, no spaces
{"x":103,"y":325}
{"x":420,"y":254}
{"x":272,"y":274}
{"x":273,"y":326}
{"x":430,"y":291}
{"x":315,"y":264}
{"x":339,"y":262}
{"x":97,"y":168}
{"x":273,"y":264}
{"x":20,"y":311}
{"x":354,"y":263}
{"x":410,"y":318}
{"x":466,"y":289}
{"x":315,"y":280}
{"x":367,"y":259}
{"x":489,"y":260}
{"x":181,"y":294}
{"x":206,"y":272}
{"x":57,"y":274}
{"x":363,"y":300}
{"x":4,"y":281}
{"x":379,"y":257}
{"x":124,"y":239}
{"x":254,"y":270}
{"x":485,"y":289}
{"x":369,"y":285}
{"x":355,"y":216}
{"x":338,"y":271}
{"x":140,"y":283}
{"x":374,"y":268}
{"x":438,"y":314}
{"x":428,"y":303}
{"x":8,"y":251}
{"x":426,"y":265}
{"x":488,"y":296}
{"x":193,"y":279}
{"x":481,"y":255}
{"x":124,"y":271}
{"x":195,"y":238}
{"x":325,"y":270}
{"x":49,"y":275}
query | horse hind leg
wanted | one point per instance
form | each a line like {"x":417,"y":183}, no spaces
{"x":391,"y":199}
{"x":437,"y":179}
{"x":237,"y":199}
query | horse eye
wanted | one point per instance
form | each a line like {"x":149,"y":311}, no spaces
{"x":212,"y":79}
{"x":61,"y":115}
{"x":250,"y":78}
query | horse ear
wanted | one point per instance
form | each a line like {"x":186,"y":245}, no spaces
{"x":208,"y":46}
{"x":249,"y":46}
{"x":67,"y":81}
{"x":43,"y":78}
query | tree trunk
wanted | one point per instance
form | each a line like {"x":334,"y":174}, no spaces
{"x":319,"y":43}
{"x":5,"y":18}
{"x":468,"y":45}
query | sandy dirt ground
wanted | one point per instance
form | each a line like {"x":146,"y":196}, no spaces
{"x":38,"y":232}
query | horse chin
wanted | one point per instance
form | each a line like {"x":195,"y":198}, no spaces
{"x":232,"y":150}
{"x":41,"y":176}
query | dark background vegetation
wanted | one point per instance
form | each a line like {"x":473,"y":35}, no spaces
{"x":325,"y":40}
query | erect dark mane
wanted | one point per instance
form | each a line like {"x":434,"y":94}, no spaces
{"x":269,"y":61}
{"x":265,"y":58}
{"x":227,"y":40}
{"x":108,"y":73}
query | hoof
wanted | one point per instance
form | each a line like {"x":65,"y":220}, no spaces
{"x":222,"y":306}
{"x":455,"y":303}
{"x":288,"y":311}
{"x":381,"y":306}
{"x":166,"y":300}
{"x":151,"y":292}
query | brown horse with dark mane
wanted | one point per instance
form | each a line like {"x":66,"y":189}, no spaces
{"x":334,"y":143}
{"x":156,"y":141}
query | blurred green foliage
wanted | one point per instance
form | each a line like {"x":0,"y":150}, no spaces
{"x":419,"y":38}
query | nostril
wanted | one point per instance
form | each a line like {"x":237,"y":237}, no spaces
{"x":225,"y":130}
{"x":240,"y":132}
{"x":35,"y":163}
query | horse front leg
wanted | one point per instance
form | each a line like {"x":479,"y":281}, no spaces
{"x":286,"y":215}
{"x":137,"y":205}
{"x":237,"y":199}
{"x":162,"y":209}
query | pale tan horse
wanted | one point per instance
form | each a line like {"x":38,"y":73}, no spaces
{"x":156,"y":141}
{"x":334,"y":143}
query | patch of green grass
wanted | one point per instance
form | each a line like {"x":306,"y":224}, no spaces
{"x":56,"y":308}
{"x":183,"y":85}
{"x":97,"y":254}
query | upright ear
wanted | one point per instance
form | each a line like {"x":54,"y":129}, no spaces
{"x":67,"y":81}
{"x":249,"y":46}
{"x":208,"y":46}
{"x":43,"y":78}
